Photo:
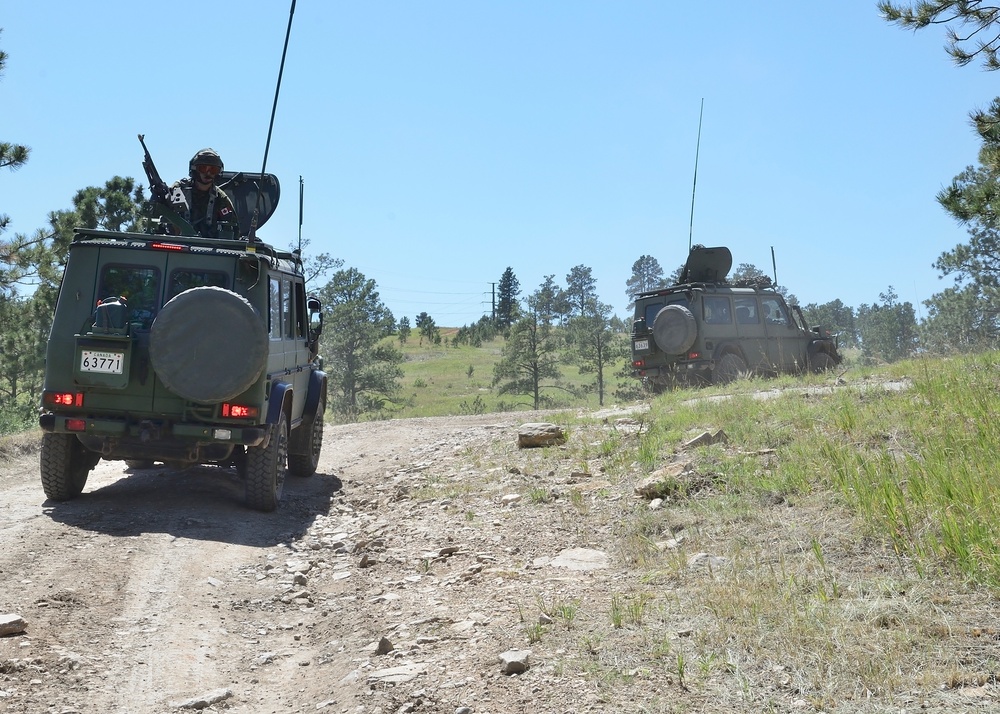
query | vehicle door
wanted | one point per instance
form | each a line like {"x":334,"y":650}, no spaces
{"x":288,"y":351}
{"x":716,"y":322}
{"x":295,"y":315}
{"x":751,"y":331}
{"x":137,"y":277}
{"x":184,"y":271}
{"x":781,"y":334}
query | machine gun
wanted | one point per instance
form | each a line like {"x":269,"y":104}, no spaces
{"x":167,"y":200}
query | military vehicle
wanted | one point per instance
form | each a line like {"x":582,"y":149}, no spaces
{"x":706,"y":330}
{"x":185,"y":350}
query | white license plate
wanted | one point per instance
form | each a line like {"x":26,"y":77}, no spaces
{"x":106,"y":362}
{"x":642,"y":344}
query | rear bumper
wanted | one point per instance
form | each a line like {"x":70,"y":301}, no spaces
{"x":146,"y":433}
{"x":678,"y":370}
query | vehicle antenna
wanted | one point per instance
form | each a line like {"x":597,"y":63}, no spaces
{"x":300,"y":215}
{"x":694,"y":184}
{"x":256,"y":209}
{"x":774,"y":267}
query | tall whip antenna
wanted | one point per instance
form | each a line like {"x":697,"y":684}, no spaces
{"x":301,"y":185}
{"x":270,"y":127}
{"x":694,"y":184}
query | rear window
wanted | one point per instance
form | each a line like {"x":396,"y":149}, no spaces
{"x":654,"y":307}
{"x":181,"y":280}
{"x":139,"y":285}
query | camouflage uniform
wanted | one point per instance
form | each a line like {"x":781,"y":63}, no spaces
{"x":210,"y":212}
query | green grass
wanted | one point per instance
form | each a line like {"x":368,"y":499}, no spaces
{"x":445,"y":380}
{"x":917,"y":465}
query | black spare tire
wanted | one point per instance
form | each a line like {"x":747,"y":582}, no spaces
{"x":674,"y":329}
{"x":208,"y":344}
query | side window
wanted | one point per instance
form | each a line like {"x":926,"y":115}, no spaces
{"x":716,"y":311}
{"x":774,"y":311}
{"x":274,"y":313}
{"x":746,"y":311}
{"x":139,"y":285}
{"x":300,"y":311}
{"x":288,"y":325}
{"x":181,"y":280}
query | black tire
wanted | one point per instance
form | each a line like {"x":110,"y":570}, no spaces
{"x":65,"y":465}
{"x":730,"y":368}
{"x":674,"y":329}
{"x":305,"y":445}
{"x":208,"y":345}
{"x":265,"y":467}
{"x":821,"y":362}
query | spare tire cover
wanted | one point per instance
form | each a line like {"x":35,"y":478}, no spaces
{"x":208,"y":344}
{"x":674,"y":329}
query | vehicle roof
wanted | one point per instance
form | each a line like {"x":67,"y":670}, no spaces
{"x":279,"y":259}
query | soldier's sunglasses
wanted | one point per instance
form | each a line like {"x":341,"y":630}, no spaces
{"x":208,"y":169}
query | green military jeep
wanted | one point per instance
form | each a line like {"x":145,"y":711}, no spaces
{"x":184,"y":350}
{"x":707,"y":330}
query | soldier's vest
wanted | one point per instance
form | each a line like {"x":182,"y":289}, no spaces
{"x":205,"y":222}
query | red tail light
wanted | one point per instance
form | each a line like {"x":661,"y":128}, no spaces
{"x":239,"y":411}
{"x":76,"y":424}
{"x":63,"y":399}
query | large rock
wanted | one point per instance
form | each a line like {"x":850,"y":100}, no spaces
{"x":581,"y":559}
{"x":514,"y":661}
{"x":12,"y":625}
{"x":663,"y":482}
{"x":540,"y":434}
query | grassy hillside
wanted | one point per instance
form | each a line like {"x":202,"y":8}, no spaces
{"x":837,"y":546}
{"x":442,"y":379}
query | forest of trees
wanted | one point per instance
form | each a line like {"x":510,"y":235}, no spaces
{"x":555,"y":325}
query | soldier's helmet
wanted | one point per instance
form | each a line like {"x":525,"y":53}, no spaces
{"x":205,"y":157}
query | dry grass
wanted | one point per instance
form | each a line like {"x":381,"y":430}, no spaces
{"x":778,"y":583}
{"x":21,"y":444}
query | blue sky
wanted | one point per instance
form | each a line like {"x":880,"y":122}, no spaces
{"x":442,"y":141}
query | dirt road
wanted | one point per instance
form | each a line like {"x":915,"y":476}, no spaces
{"x":157,"y":590}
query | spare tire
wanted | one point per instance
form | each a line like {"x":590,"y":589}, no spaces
{"x":208,"y":345}
{"x":674,"y":329}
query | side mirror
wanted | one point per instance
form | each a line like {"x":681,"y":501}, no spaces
{"x":315,"y":316}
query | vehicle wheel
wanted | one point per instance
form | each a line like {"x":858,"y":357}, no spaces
{"x":139,"y":463}
{"x":821,"y":362}
{"x":264,"y":469}
{"x":730,"y":368}
{"x":208,"y":345}
{"x":65,"y":465}
{"x":674,"y":329}
{"x":305,"y":444}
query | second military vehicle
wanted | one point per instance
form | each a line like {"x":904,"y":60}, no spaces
{"x":707,"y":330}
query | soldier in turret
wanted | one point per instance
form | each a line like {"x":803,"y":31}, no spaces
{"x":201,"y":202}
